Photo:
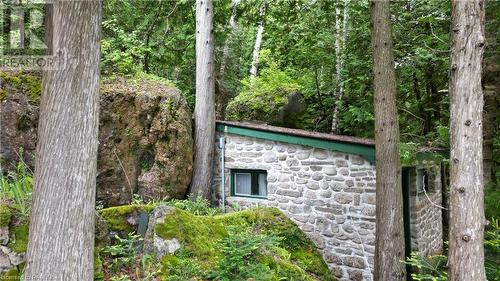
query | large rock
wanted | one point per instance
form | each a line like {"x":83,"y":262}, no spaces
{"x":145,"y":136}
{"x":145,"y":142}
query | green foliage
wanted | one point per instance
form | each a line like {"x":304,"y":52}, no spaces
{"x":16,"y":189}
{"x":408,"y":153}
{"x":159,"y":38}
{"x":123,"y":252}
{"x":149,"y":268}
{"x":123,"y":260}
{"x":265,"y":96}
{"x":430,"y":268}
{"x":492,"y":250}
{"x":122,"y":51}
{"x":491,"y":199}
{"x":180,"y":267}
{"x":198,"y":207}
{"x":239,"y":257}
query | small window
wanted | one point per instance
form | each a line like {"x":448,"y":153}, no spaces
{"x":249,"y":183}
{"x":423,"y":181}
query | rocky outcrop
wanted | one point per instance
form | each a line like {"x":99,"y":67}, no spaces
{"x":145,"y":142}
{"x":145,"y":136}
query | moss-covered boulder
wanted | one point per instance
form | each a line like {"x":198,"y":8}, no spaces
{"x":145,"y":141}
{"x":260,"y":244}
{"x":120,"y":219}
{"x":145,"y":135}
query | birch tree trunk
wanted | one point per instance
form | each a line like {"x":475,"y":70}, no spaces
{"x":466,"y":253}
{"x":389,"y":236}
{"x":204,"y":112}
{"x":258,"y":41}
{"x":232,"y":25}
{"x":61,"y":236}
{"x":341,"y":37}
{"x":222,"y":96}
{"x":22,"y":32}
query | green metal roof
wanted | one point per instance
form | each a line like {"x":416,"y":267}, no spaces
{"x":350,"y":145}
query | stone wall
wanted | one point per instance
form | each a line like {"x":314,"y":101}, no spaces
{"x":330,"y":195}
{"x":426,"y":215}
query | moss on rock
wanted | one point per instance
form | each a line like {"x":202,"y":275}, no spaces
{"x":197,"y":234}
{"x":294,"y":257}
{"x":12,"y":274}
{"x":19,"y":238}
{"x":5,"y":215}
{"x":28,"y":83}
{"x":117,"y":217}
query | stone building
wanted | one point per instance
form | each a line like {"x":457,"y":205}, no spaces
{"x":326,"y":184}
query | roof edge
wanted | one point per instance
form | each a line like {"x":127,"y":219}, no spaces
{"x":300,"y":133}
{"x":345,"y":144}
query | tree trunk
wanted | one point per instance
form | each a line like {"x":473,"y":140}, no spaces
{"x":204,"y":112}
{"x":341,"y":36}
{"x":22,"y":32}
{"x":258,"y":41}
{"x":389,"y":237}
{"x":61,"y":236}
{"x":466,"y":253}
{"x":232,"y":25}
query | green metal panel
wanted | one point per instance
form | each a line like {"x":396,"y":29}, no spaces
{"x":368,"y":152}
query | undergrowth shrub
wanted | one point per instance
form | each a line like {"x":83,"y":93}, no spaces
{"x":16,"y":188}
{"x":432,"y":268}
{"x":182,"y":267}
{"x":492,"y":250}
{"x":123,"y":260}
{"x":240,"y":257}
{"x":198,"y":207}
{"x":122,"y":253}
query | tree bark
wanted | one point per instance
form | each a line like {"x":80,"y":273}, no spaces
{"x":258,"y":41}
{"x":204,"y":113}
{"x":341,"y":36}
{"x":61,"y":236}
{"x":466,"y":253}
{"x":389,"y":237}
